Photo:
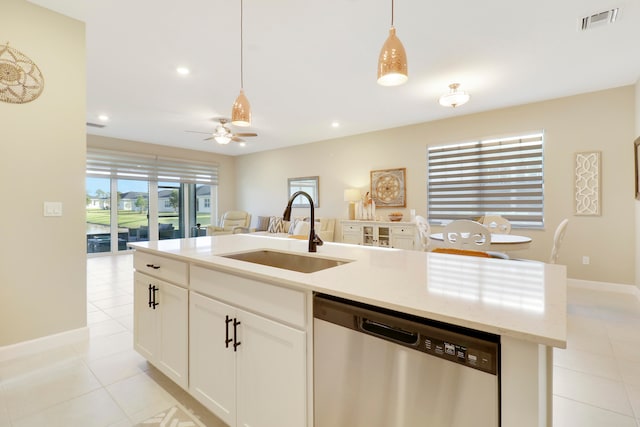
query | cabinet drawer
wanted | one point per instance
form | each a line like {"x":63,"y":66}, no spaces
{"x":275,"y":302}
{"x":161,"y":267}
{"x":352,"y":229}
{"x":407,"y":231}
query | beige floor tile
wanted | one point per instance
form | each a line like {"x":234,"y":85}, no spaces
{"x":118,"y":367}
{"x":590,"y":389}
{"x":95,"y":409}
{"x":46,"y":387}
{"x":102,"y":346}
{"x":588,"y":363}
{"x":140,"y":397}
{"x":570,"y":413}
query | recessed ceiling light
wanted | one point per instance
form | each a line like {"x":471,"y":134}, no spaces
{"x":183,"y":71}
{"x":242,"y":144}
{"x":335,"y":124}
{"x":103,"y":118}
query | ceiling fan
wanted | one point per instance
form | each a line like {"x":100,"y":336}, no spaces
{"x":223,"y":135}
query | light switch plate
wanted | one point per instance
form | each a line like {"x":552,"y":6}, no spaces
{"x":52,"y":208}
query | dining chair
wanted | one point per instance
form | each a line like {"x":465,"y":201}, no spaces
{"x":466,"y":234}
{"x":497,"y":224}
{"x":557,"y":240}
{"x":423,"y":232}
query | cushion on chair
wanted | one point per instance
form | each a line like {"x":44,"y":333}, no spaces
{"x":276,"y":225}
{"x":263,"y":223}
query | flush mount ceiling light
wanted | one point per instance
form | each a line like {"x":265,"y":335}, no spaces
{"x":241,"y":110}
{"x":392,"y":62}
{"x":455,"y":97}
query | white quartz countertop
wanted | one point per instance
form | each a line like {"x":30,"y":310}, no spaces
{"x":523,"y":300}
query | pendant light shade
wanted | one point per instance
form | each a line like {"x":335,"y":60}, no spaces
{"x":392,"y":62}
{"x":222,"y":139}
{"x":241,"y":110}
{"x":455,"y":97}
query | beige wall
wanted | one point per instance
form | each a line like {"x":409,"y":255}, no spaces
{"x":637,"y":204}
{"x":601,"y":121}
{"x":42,"y":155}
{"x":226,"y":164}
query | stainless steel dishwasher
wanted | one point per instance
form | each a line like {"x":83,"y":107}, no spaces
{"x":378,"y":368}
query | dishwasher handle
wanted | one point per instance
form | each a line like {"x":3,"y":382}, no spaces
{"x":385,"y":331}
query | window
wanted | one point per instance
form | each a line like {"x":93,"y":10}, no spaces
{"x":127,"y":180}
{"x":498,"y":177}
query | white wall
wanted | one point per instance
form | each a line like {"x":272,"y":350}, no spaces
{"x":42,"y":158}
{"x":601,"y":121}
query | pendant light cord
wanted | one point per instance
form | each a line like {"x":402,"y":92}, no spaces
{"x":241,"y":48}
{"x":392,"y":13}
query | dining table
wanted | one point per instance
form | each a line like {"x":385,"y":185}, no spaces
{"x":499,"y":242}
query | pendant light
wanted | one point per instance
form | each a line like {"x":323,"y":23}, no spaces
{"x":455,"y":97}
{"x":392,"y":63}
{"x":241,"y":110}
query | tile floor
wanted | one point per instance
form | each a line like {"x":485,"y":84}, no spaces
{"x":105,"y":383}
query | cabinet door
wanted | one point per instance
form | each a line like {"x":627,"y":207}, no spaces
{"x":172,"y":357}
{"x":212,"y":363}
{"x":271,"y":374}
{"x":146,"y":329}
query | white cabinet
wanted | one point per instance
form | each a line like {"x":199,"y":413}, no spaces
{"x":246,"y":365}
{"x":377,"y":233}
{"x":161,"y":326}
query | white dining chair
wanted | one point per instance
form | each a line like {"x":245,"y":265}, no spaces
{"x":423,"y":232}
{"x":557,"y":240}
{"x":466,"y":234}
{"x":497,"y":224}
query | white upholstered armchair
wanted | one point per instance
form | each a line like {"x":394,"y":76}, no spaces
{"x":231,"y":222}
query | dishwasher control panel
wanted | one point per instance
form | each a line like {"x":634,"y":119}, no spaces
{"x":470,"y":356}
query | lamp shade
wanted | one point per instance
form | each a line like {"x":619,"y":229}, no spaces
{"x":392,"y":62}
{"x":351,"y":195}
{"x":241,"y":111}
{"x":455,"y":97}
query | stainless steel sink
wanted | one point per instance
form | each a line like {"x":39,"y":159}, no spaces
{"x":287,"y":261}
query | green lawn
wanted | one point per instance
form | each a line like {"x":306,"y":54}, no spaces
{"x":129,"y":219}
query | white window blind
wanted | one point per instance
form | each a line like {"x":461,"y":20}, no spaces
{"x":497,"y":177}
{"x":121,"y":165}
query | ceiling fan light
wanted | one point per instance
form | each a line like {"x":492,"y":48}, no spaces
{"x":392,"y":62}
{"x":455,"y":97}
{"x":241,"y":111}
{"x":222,"y":139}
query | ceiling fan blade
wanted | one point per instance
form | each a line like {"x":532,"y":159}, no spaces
{"x":236,"y":139}
{"x":246,"y":134}
{"x":196,"y":131}
{"x":208,"y":139}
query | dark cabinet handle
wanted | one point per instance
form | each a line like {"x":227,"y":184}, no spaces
{"x":153,"y":302}
{"x":236,"y":343}
{"x":150,"y":291}
{"x":227,"y":340}
{"x":155,"y":267}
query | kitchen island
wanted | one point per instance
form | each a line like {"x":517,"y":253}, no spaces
{"x":522,"y":302}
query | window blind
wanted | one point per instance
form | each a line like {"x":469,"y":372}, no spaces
{"x":121,"y":165}
{"x":497,"y":177}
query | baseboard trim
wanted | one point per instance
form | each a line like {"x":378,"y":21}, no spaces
{"x":604,"y":286}
{"x":38,"y":345}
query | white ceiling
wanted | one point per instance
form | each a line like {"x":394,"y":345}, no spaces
{"x":309,"y":63}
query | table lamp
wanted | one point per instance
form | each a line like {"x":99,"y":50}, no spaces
{"x":352,"y":195}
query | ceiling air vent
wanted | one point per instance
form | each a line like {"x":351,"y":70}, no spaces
{"x":599,"y":19}
{"x":95,"y":125}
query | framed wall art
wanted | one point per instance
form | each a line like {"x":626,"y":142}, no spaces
{"x":588,"y":196}
{"x":388,"y":188}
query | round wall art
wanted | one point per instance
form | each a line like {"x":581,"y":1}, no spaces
{"x":21,"y":80}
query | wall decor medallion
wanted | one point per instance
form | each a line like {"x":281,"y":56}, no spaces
{"x":388,"y":188}
{"x":21,"y":80}
{"x":587,"y":183}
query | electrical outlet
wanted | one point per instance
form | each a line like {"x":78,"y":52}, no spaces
{"x":585,"y":260}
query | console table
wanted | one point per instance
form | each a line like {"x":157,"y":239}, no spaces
{"x":386,"y":234}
